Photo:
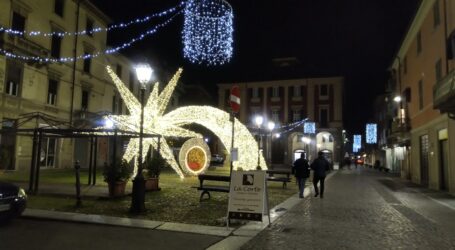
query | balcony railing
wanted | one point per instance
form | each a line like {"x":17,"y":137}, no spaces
{"x":444,"y":93}
{"x":399,"y":131}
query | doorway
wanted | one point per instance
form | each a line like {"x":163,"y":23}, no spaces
{"x":47,"y":155}
{"x":7,"y":145}
{"x":298,"y":153}
{"x":444,"y":164}
{"x":424,"y":150}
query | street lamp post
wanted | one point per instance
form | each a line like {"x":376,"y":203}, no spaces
{"x":306,"y":141}
{"x":144,"y":73}
{"x":271,"y":126}
{"x":259,"y":119}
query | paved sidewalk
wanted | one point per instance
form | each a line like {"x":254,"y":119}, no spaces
{"x":365,"y":209}
{"x":362,"y":209}
{"x":233,"y":238}
{"x":68,"y":189}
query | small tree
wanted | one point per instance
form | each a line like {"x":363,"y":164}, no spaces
{"x":121,"y":172}
{"x":155,"y":165}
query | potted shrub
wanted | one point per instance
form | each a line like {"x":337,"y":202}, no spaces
{"x":153,"y":169}
{"x":116,"y":177}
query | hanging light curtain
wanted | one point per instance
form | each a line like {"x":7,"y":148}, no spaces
{"x":208,"y":32}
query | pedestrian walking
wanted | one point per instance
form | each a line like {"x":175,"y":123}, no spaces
{"x":320,"y":166}
{"x":301,"y":171}
{"x":347,"y":162}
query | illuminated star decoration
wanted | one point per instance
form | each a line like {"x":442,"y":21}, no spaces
{"x":207,"y":31}
{"x":153,"y":123}
{"x":170,"y":125}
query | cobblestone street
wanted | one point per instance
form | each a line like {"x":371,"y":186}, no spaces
{"x":365,"y":209}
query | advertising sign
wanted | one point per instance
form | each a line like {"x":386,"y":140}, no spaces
{"x":247,"y":196}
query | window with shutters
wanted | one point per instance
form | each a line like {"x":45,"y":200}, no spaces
{"x":420,"y":94}
{"x":324,"y":117}
{"x":87,"y":63}
{"x":297,"y":91}
{"x":84,"y":100}
{"x":436,"y":14}
{"x":296,"y":115}
{"x":275,"y":116}
{"x":275,"y":92}
{"x":18,"y":22}
{"x":419,"y":42}
{"x":438,"y":70}
{"x":52,"y":92}
{"x":13,"y":78}
{"x":118,"y":71}
{"x":89,"y":24}
{"x":59,"y":6}
{"x":56,"y":45}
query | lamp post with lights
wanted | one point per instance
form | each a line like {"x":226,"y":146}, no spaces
{"x":307,"y":140}
{"x":259,"y":120}
{"x":270,"y":126}
{"x":144,"y":74}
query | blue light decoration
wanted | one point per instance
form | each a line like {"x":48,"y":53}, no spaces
{"x":121,"y":25}
{"x":357,"y":143}
{"x":371,"y":133}
{"x":125,"y":45}
{"x":309,"y":128}
{"x":208,"y":32}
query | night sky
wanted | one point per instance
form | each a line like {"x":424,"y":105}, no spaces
{"x":356,"y":39}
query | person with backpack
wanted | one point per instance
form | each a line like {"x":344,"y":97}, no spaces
{"x":320,"y":166}
{"x":301,"y":171}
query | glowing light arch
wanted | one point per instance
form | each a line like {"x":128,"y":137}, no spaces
{"x":217,"y":121}
{"x":170,"y":125}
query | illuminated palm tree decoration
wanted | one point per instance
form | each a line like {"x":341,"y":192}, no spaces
{"x":170,"y":125}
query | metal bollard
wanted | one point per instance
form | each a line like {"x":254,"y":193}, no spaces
{"x":77,"y":167}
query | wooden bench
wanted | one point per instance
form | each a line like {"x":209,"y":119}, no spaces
{"x":206,"y":189}
{"x":284,"y":176}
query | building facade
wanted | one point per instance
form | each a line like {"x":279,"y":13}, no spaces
{"x":285,"y":102}
{"x":67,"y":92}
{"x":424,"y":119}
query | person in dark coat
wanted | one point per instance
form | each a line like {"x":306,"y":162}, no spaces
{"x":320,"y":166}
{"x":301,"y":171}
{"x":347,"y":162}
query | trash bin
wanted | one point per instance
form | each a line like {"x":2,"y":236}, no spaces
{"x":336,"y":166}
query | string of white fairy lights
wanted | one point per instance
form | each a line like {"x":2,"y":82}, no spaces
{"x":121,"y":25}
{"x":93,"y":55}
{"x":207,"y":33}
{"x":280,"y":130}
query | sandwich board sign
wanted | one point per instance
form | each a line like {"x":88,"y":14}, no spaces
{"x":248,"y":199}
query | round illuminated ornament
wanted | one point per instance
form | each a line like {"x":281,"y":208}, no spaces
{"x":194,"y":156}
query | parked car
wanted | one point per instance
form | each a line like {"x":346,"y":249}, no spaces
{"x":216,"y":158}
{"x":13,"y":201}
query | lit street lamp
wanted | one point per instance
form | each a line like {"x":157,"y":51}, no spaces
{"x":271,"y":126}
{"x":306,"y":141}
{"x":259,"y":120}
{"x":397,"y":99}
{"x":144,"y":74}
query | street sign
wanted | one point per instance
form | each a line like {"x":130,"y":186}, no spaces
{"x":234,"y":98}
